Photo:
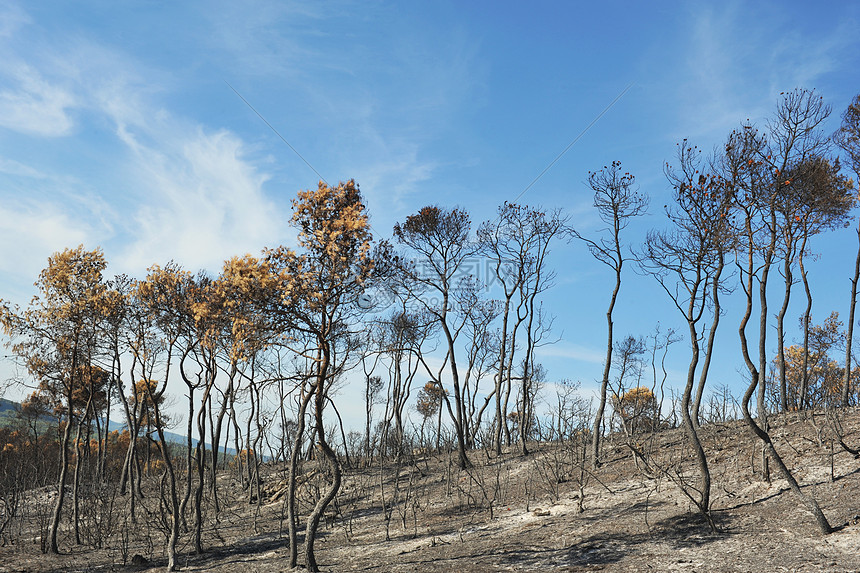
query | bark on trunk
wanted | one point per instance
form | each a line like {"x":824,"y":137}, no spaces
{"x":760,"y":432}
{"x":320,"y":397}
{"x":604,"y":384}
{"x":804,"y":373}
{"x":292,"y":516}
{"x":704,"y":490}
{"x":712,"y":335}
{"x":53,"y":547}
{"x":780,"y":335}
{"x":846,"y":380}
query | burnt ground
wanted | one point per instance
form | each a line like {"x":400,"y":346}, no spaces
{"x":522,"y":513}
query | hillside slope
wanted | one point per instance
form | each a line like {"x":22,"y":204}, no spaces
{"x":540,"y":513}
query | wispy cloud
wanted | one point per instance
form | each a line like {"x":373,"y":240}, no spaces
{"x":204,"y":202}
{"x":41,"y":213}
{"x":18,"y":169}
{"x":731,"y":71}
{"x":30,"y":232}
{"x":196,"y":197}
{"x":171,"y":188}
{"x":265,"y":39}
{"x":12,"y":17}
{"x":389,"y":180}
{"x":573,"y":352}
{"x":34,"y":105}
{"x":375,"y":109}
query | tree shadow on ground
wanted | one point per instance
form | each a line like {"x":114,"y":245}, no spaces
{"x":687,"y":530}
{"x":237,"y":551}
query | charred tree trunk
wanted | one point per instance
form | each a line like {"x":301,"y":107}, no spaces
{"x":804,"y":374}
{"x":597,"y":430}
{"x":712,"y":335}
{"x":200,"y":454}
{"x":703,"y":503}
{"x":759,"y":431}
{"x":76,"y":479}
{"x":761,"y":405}
{"x":292,"y":515}
{"x":846,"y":380}
{"x":53,"y":547}
{"x":780,"y":334}
{"x":320,"y":397}
{"x":500,"y":378}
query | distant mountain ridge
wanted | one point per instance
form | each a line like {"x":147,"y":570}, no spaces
{"x":6,"y":405}
{"x":9,"y":409}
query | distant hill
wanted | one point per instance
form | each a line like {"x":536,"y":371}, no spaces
{"x":7,"y":405}
{"x":9,"y":411}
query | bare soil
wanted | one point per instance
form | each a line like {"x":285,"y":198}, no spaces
{"x":629,"y":521}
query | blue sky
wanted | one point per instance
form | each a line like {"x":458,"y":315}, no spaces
{"x":118,"y":127}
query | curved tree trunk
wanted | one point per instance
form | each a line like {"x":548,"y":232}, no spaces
{"x":189,"y":458}
{"x":780,"y":333}
{"x":320,"y":396}
{"x":761,"y":405}
{"x":846,"y":380}
{"x":229,"y":396}
{"x":528,"y":406}
{"x":500,"y":376}
{"x":704,"y":489}
{"x":292,"y":516}
{"x":201,"y":467}
{"x":712,"y":335}
{"x":325,"y":500}
{"x":804,"y":373}
{"x":761,"y":433}
{"x":76,"y":479}
{"x":174,"y":508}
{"x":131,"y":421}
{"x":460,"y":415}
{"x":597,"y":429}
{"x":53,"y":547}
{"x":809,"y":502}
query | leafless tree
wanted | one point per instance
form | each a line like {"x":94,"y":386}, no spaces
{"x":617,"y":200}
{"x":794,"y":142}
{"x":747,"y":176}
{"x":823,"y":201}
{"x":403,"y":338}
{"x":439,"y":281}
{"x":660,"y":342}
{"x":481,"y":352}
{"x":848,"y":140}
{"x":629,"y":365}
{"x":517,"y":243}
{"x":372,"y":390}
{"x":684,"y":260}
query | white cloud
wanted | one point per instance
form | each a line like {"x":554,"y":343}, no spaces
{"x":573,"y":351}
{"x":738,"y":58}
{"x":390,"y":181}
{"x":171,"y":189}
{"x":198,"y":201}
{"x":35,"y":106}
{"x":18,"y":169}
{"x":42,"y":213}
{"x":12,"y":17}
{"x":30,"y":233}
